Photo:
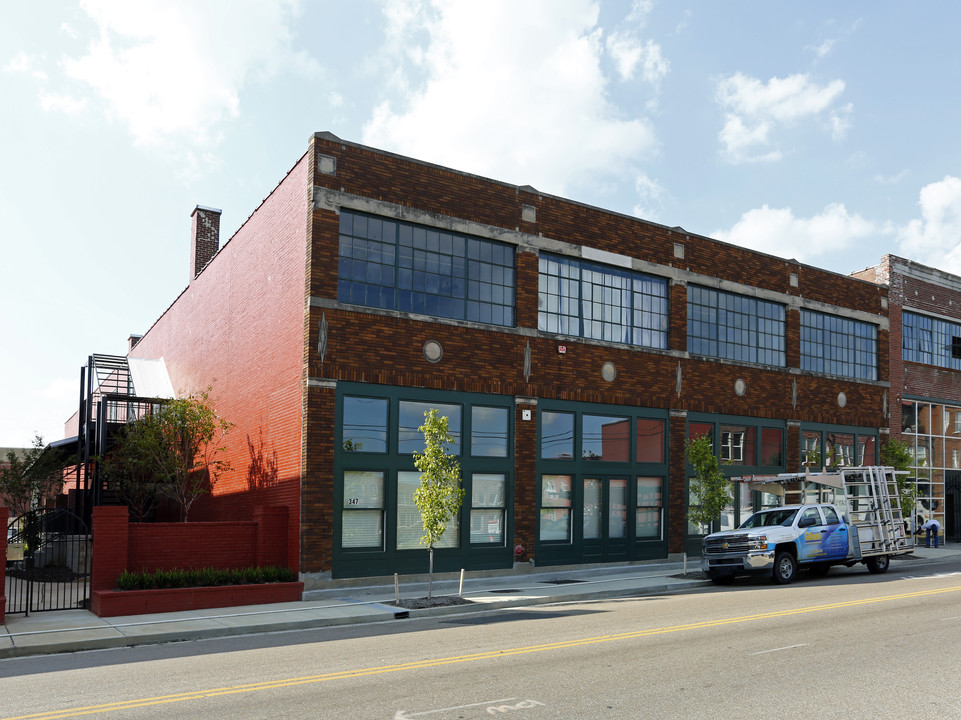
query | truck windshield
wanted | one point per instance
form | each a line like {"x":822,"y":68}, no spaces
{"x":770,"y":517}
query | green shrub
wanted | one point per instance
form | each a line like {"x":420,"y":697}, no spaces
{"x":202,"y":577}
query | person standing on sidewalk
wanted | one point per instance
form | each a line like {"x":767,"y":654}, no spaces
{"x":931,"y":527}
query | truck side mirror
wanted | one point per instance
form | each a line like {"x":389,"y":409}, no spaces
{"x":807,"y":522}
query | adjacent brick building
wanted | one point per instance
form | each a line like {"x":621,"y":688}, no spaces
{"x":574,"y":350}
{"x":925,"y":352}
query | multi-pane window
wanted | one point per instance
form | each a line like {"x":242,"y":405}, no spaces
{"x":487,"y":509}
{"x":586,"y":299}
{"x":556,"y":508}
{"x":650,"y":508}
{"x":363,"y":513}
{"x":835,"y":345}
{"x":931,"y":340}
{"x":734,"y":327}
{"x":401,"y":266}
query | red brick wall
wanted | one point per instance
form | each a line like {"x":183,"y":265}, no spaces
{"x":121,"y":545}
{"x":908,"y":292}
{"x":238,"y":329}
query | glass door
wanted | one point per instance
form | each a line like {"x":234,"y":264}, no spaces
{"x":604,"y":519}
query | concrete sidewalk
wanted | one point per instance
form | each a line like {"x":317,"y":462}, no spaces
{"x":76,"y":630}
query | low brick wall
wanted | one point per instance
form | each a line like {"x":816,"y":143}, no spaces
{"x":120,"y":545}
{"x":111,"y":603}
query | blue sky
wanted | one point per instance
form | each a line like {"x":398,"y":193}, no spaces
{"x":821,"y":131}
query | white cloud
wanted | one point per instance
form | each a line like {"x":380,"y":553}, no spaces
{"x":777,"y":231}
{"x":173,"y":70}
{"x":512,"y":90}
{"x":935,"y":238}
{"x":755,"y":110}
{"x":62,"y":103}
{"x":629,"y":52}
{"x":650,"y":195}
{"x":24,"y":64}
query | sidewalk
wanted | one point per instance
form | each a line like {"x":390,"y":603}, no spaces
{"x":75,"y":630}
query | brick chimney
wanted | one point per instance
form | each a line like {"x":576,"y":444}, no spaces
{"x":204,"y":238}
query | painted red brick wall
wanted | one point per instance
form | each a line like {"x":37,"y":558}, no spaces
{"x":121,"y":545}
{"x":238,"y":329}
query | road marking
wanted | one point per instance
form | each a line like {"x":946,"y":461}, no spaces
{"x":404,"y":715}
{"x":789,"y":647}
{"x":488,"y":655}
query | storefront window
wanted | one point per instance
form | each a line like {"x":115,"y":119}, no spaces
{"x":772,"y":447}
{"x":738,"y":444}
{"x":489,"y":431}
{"x":410,"y":439}
{"x":362,"y":521}
{"x":488,"y":497}
{"x":555,"y":508}
{"x":410,"y":527}
{"x":557,"y":435}
{"x":365,"y":425}
{"x":650,"y":440}
{"x":606,"y":438}
{"x":649,"y":508}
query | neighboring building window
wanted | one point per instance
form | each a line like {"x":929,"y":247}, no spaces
{"x":411,"y":268}
{"x":734,"y":327}
{"x":834,"y":345}
{"x":929,"y":340}
{"x":585,"y":299}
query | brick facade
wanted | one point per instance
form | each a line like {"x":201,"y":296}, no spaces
{"x":262,"y":326}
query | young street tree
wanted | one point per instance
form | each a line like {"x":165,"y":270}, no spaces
{"x":175,"y":449}
{"x":439,"y":495}
{"x":29,"y":479}
{"x":710,"y":489}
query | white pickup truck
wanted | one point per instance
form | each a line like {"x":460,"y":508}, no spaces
{"x":864,"y":526}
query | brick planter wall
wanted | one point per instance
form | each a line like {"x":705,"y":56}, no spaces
{"x":111,"y":603}
{"x":120,"y":545}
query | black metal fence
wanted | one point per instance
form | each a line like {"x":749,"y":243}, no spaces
{"x":48,"y":562}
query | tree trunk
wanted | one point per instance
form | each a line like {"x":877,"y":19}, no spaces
{"x":430,"y":572}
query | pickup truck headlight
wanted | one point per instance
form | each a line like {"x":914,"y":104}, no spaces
{"x":758,"y":542}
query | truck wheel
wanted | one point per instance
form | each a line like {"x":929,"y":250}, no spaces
{"x":785,"y":568}
{"x":878,"y":564}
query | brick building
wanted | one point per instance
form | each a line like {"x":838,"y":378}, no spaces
{"x":925,"y":352}
{"x":573,"y":349}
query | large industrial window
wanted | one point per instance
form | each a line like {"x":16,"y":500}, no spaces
{"x":834,"y":345}
{"x":734,"y":327}
{"x":585,"y":299}
{"x":401,"y":266}
{"x":929,"y":340}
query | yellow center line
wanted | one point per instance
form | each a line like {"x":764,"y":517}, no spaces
{"x":490,"y":654}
